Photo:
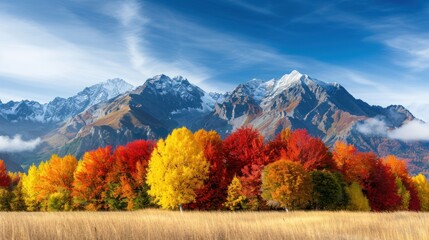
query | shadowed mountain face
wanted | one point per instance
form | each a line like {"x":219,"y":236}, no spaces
{"x":294,"y":101}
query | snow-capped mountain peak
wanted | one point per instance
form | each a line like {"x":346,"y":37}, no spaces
{"x":116,"y":86}
{"x":61,"y":109}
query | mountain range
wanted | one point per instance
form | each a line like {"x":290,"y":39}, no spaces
{"x":115,"y":112}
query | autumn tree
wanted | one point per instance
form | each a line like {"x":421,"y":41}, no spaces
{"x":399,"y":168}
{"x":213,"y":194}
{"x":57,"y":178}
{"x":17,"y":202}
{"x":235,"y":199}
{"x":422,"y":186}
{"x":359,"y":167}
{"x":343,"y":155}
{"x":5,"y":180}
{"x":328,"y":192}
{"x":311,"y":152}
{"x":357,"y":201}
{"x":381,"y":188}
{"x":126,"y":181}
{"x":29,"y":183}
{"x":288,"y":183}
{"x":177,"y":168}
{"x":403,"y":193}
{"x":377,"y":181}
{"x":245,"y":158}
{"x":89,"y":184}
{"x":5,"y":198}
{"x":278,"y":146}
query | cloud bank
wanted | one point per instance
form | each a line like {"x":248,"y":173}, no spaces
{"x":412,"y":131}
{"x":415,"y":130}
{"x":17,"y":144}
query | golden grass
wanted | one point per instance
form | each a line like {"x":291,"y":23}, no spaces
{"x":158,"y":224}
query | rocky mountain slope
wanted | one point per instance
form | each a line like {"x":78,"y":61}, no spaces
{"x":151,"y":111}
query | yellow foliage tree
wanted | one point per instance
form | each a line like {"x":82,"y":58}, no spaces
{"x":422,"y":186}
{"x":287,"y":183}
{"x":176,"y":169}
{"x":29,"y":183}
{"x":357,"y":200}
{"x":235,"y":199}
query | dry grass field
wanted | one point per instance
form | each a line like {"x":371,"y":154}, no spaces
{"x":158,"y":224}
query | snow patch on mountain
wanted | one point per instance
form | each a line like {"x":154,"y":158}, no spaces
{"x":265,"y":90}
{"x":60,"y":109}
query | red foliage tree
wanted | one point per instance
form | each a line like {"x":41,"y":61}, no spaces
{"x":5,"y":180}
{"x":134,"y":158}
{"x":127,"y":175}
{"x":311,"y":152}
{"x":243,"y":147}
{"x":381,"y":189}
{"x":245,"y":158}
{"x":278,"y":146}
{"x":213,"y":194}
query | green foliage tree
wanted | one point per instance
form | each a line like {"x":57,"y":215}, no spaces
{"x":357,"y":201}
{"x":5,"y":198}
{"x":17,"y":202}
{"x":177,"y":168}
{"x":327,"y":191}
{"x":59,"y":201}
{"x":403,"y":193}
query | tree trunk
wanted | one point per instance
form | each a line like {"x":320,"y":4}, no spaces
{"x":180,"y":208}
{"x":287,"y":210}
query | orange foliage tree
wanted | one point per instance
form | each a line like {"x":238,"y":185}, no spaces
{"x":343,"y":155}
{"x":57,"y":178}
{"x":90,"y":179}
{"x":287,"y":183}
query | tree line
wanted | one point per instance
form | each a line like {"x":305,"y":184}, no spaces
{"x":201,"y":171}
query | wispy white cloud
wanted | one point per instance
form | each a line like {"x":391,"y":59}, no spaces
{"x":17,"y":144}
{"x":251,"y":7}
{"x":130,"y":14}
{"x":414,"y":47}
{"x":138,"y":23}
{"x":36,"y":55}
{"x":196,"y":51}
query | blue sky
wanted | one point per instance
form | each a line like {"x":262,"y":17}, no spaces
{"x":378,"y":50}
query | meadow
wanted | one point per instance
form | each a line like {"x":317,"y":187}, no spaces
{"x":160,"y":224}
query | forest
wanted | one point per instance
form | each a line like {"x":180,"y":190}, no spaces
{"x":201,"y":171}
